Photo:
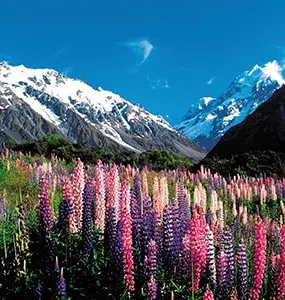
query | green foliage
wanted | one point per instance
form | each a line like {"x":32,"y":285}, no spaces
{"x":54,"y":144}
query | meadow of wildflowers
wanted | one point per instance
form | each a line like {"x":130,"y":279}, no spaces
{"x":117,"y":232}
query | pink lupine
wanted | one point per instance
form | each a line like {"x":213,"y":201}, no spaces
{"x":100,"y":197}
{"x":208,"y":294}
{"x":156,"y":196}
{"x":68,"y":196}
{"x":78,"y":187}
{"x":258,"y":259}
{"x":280,"y":286}
{"x":113,"y":190}
{"x":128,"y":263}
{"x":198,"y":245}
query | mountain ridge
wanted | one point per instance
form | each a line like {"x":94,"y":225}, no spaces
{"x":208,"y":120}
{"x":81,"y":113}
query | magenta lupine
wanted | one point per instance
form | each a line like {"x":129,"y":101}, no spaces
{"x":242,"y":272}
{"x":258,"y":259}
{"x":280,"y":286}
{"x":152,"y":289}
{"x":128,"y":263}
{"x":208,"y":295}
{"x":100,"y":197}
{"x":198,"y":245}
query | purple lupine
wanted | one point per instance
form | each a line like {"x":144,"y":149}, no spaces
{"x":150,"y":262}
{"x":210,"y":260}
{"x":242,"y":272}
{"x":157,"y":236}
{"x":87,"y":235}
{"x":64,"y":209}
{"x":1,"y":207}
{"x":177,"y":229}
{"x":61,"y":286}
{"x":221,"y":270}
{"x":168,"y":242}
{"x":38,"y":291}
{"x":45,"y":210}
{"x":152,"y":289}
{"x":230,"y":260}
{"x":147,"y":232}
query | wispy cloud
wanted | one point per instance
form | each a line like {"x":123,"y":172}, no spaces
{"x":61,"y":51}
{"x":158,"y":83}
{"x":6,"y":58}
{"x":142,"y":47}
{"x":67,"y":71}
{"x":211,"y":80}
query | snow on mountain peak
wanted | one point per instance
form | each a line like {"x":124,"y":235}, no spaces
{"x":207,"y":120}
{"x":274,"y":71}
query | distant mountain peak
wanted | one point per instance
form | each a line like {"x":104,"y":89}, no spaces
{"x":81,"y":113}
{"x":207,"y":120}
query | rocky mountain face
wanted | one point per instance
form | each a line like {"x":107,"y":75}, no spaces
{"x":35,"y":102}
{"x":264,"y":130}
{"x":207,"y":121}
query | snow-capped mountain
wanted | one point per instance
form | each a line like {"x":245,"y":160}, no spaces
{"x":207,"y":121}
{"x":34,"y":102}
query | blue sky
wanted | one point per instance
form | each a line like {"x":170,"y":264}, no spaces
{"x":164,"y":55}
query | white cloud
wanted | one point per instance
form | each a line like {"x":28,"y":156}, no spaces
{"x":210,"y":81}
{"x":142,"y":47}
{"x":158,"y":83}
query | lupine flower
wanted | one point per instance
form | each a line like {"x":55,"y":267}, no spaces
{"x":280,"y":286}
{"x":211,"y":263}
{"x":147,"y":232}
{"x":38,"y":291}
{"x":168,"y":241}
{"x":61,"y":286}
{"x":100,"y":197}
{"x":45,"y":211}
{"x":198,"y":245}
{"x":152,"y":289}
{"x":128,"y":263}
{"x":258,"y":259}
{"x":87,"y":235}
{"x":242,"y":272}
{"x":208,"y":295}
{"x":78,"y":187}
{"x":230,"y":260}
{"x":221,"y":270}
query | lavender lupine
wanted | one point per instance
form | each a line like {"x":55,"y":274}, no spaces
{"x":151,"y":269}
{"x":147,"y":232}
{"x":100,"y":197}
{"x":230,"y":260}
{"x":221,"y":270}
{"x":45,"y":210}
{"x":87,"y":235}
{"x":211,"y":262}
{"x":242,"y":272}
